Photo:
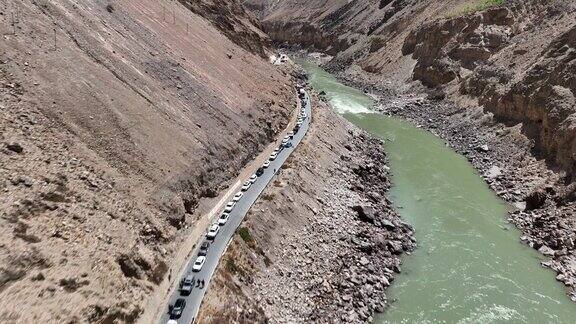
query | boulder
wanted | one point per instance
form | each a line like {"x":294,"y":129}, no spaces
{"x":546,"y":250}
{"x":15,"y":147}
{"x":365,"y":213}
{"x":395,"y":247}
{"x":482,"y":148}
{"x":535,"y":200}
{"x":494,"y":172}
{"x":388,"y":224}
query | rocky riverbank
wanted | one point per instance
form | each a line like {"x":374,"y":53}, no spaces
{"x":323,"y":243}
{"x":543,"y":198}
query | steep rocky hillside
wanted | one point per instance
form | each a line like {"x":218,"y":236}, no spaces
{"x":118,"y":121}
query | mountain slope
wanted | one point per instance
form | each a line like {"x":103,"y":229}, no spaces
{"x":119,"y":120}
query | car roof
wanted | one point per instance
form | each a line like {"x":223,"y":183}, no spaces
{"x":179,"y":302}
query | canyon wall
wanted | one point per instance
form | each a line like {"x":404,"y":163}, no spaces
{"x":515,"y":59}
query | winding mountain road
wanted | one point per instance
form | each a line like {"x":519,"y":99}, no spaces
{"x":220,"y":243}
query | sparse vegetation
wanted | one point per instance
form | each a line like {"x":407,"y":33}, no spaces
{"x":233,"y":268}
{"x":482,"y":5}
{"x":268,"y":197}
{"x":474,"y":6}
{"x":245,"y":235}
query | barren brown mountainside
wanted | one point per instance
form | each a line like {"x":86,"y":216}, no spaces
{"x":118,"y":120}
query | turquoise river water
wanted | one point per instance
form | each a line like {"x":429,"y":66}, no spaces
{"x":469,"y":266}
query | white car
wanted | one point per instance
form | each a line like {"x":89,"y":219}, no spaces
{"x":299,"y":124}
{"x":266,"y":164}
{"x":246,"y":185}
{"x":291,"y":135}
{"x":237,"y":196}
{"x":212,"y":231}
{"x":273,"y":156}
{"x":223,"y":219}
{"x":253,"y":178}
{"x":198,"y":263}
{"x":171,"y":322}
{"x":229,"y":206}
{"x":285,"y":141}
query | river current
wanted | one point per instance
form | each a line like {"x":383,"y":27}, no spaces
{"x":470,"y":266}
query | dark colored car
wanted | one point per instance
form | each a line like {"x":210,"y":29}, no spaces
{"x":260,"y":171}
{"x":204,"y":248}
{"x":178,"y":308}
{"x":296,"y":129}
{"x":186,"y":285}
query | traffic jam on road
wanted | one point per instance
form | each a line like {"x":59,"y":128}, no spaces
{"x":190,"y":282}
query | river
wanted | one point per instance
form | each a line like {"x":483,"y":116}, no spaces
{"x":470,"y":266}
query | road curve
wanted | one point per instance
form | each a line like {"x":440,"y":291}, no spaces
{"x":219,"y":245}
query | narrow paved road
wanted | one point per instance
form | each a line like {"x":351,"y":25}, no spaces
{"x":218,"y":247}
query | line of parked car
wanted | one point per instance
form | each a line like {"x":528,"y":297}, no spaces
{"x":188,"y":282}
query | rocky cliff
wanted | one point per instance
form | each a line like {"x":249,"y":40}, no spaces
{"x":119,"y":120}
{"x":518,"y":60}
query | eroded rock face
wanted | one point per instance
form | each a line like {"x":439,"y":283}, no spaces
{"x":231,"y":19}
{"x":544,"y":100}
{"x":442,"y":48}
{"x":467,"y":50}
{"x":468,"y":41}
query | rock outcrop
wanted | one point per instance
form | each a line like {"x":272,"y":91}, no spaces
{"x":541,"y":95}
